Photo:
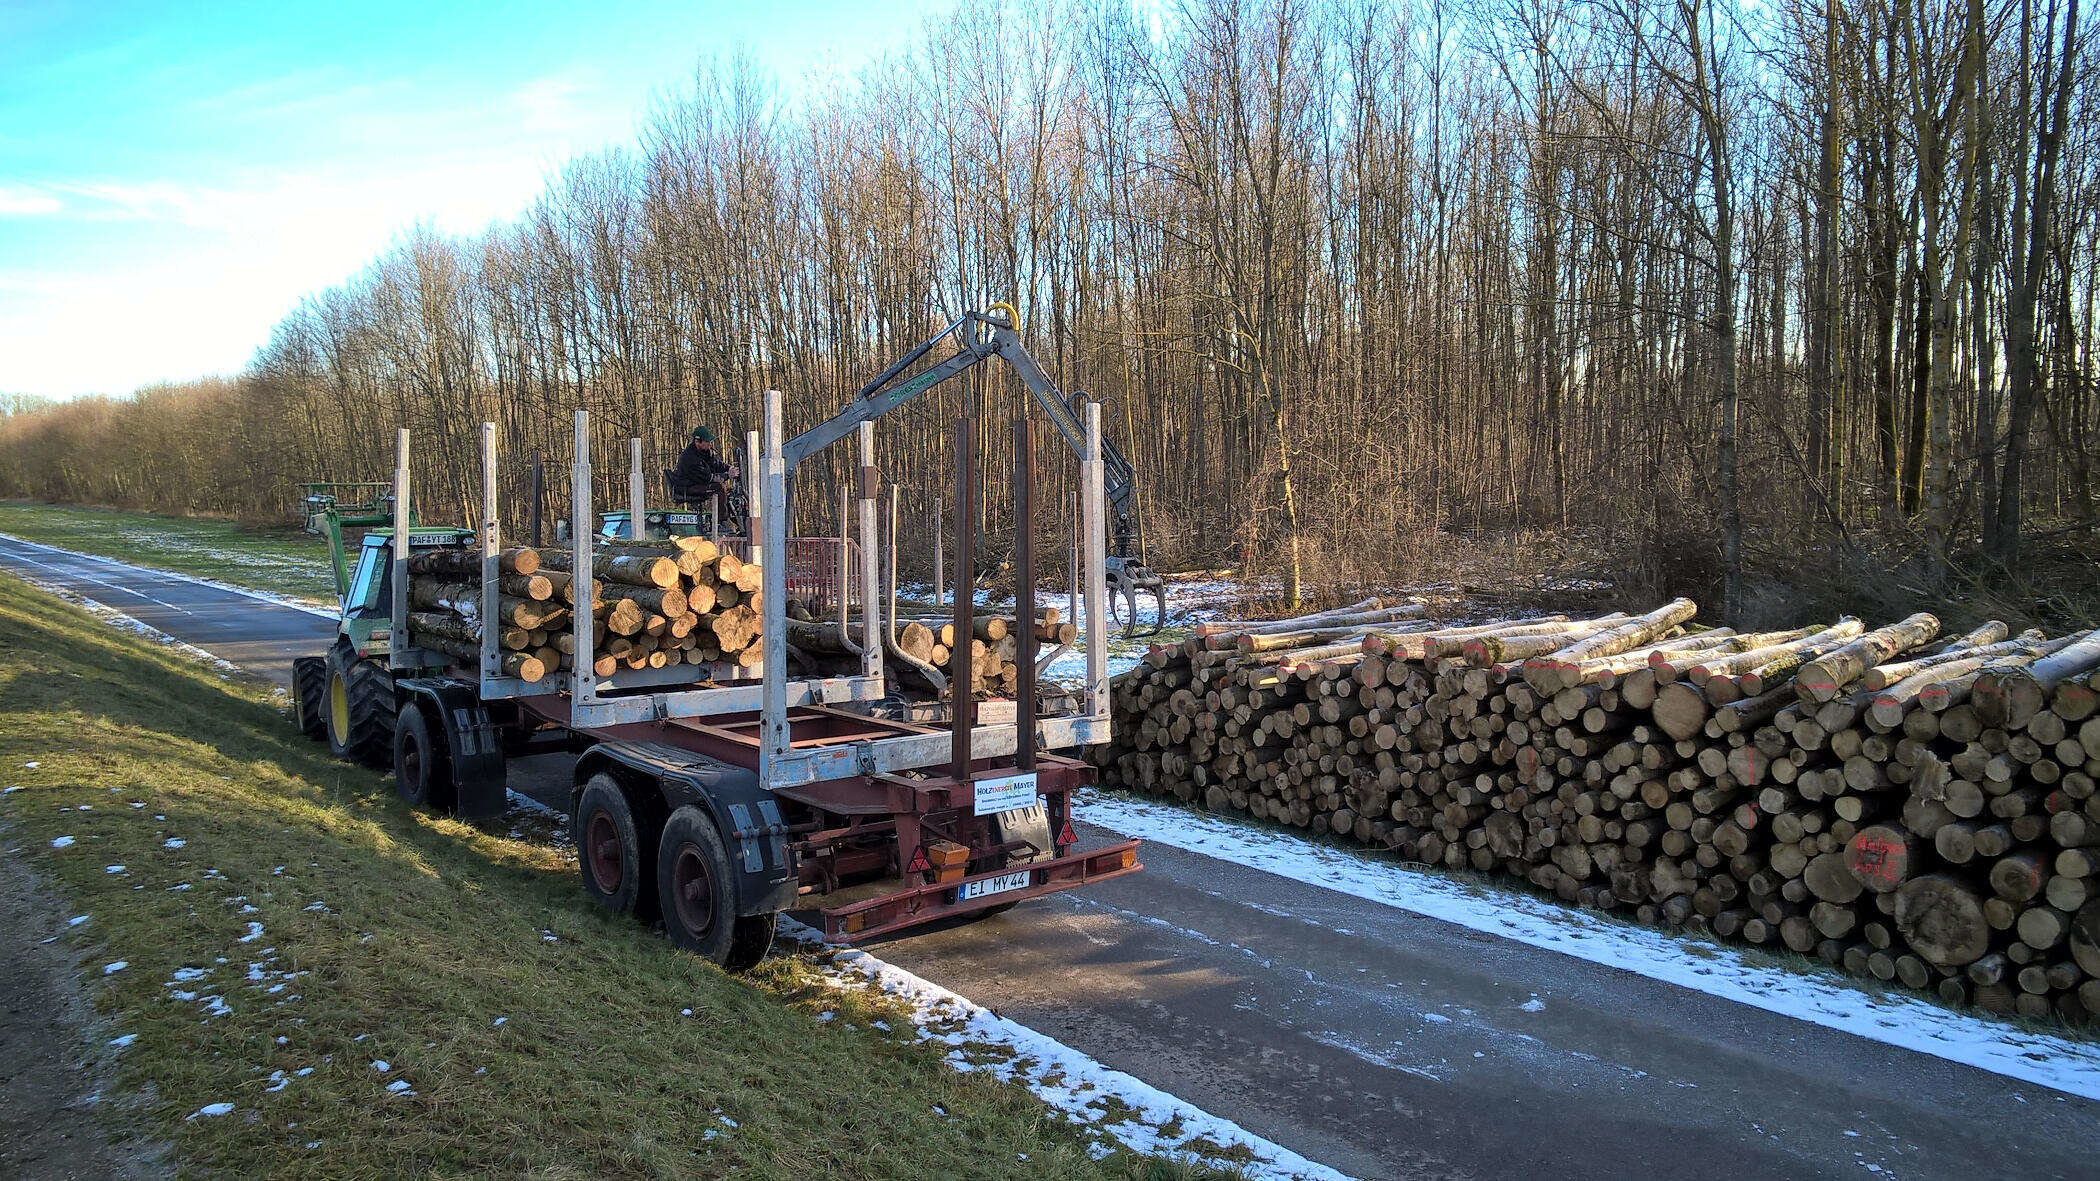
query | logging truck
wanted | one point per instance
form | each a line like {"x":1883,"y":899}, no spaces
{"x":717,"y":790}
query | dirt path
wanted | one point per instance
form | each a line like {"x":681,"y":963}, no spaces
{"x":55,"y":1061}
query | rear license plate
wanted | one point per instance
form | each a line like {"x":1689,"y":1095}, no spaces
{"x":989,"y":886}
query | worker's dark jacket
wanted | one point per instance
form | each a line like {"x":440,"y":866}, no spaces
{"x":699,"y":474}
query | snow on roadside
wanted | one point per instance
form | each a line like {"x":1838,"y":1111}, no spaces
{"x":1060,"y":1076}
{"x":1715,"y":969}
{"x":310,"y":606}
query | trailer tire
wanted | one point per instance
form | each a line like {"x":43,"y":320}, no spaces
{"x":618,"y":868}
{"x":422,"y":766}
{"x":751,"y":941}
{"x":310,"y":695}
{"x":360,"y":709}
{"x":696,"y":889}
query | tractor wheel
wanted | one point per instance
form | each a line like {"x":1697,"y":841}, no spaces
{"x":422,"y":766}
{"x":618,"y":867}
{"x":310,"y":694}
{"x":360,"y":709}
{"x":696,"y":887}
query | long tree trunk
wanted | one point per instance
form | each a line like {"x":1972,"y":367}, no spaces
{"x":2021,"y":365}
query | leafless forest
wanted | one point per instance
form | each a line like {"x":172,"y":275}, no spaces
{"x":1743,"y":301}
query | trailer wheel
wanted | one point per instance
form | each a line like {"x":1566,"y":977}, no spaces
{"x":310,"y":694}
{"x":360,"y":709}
{"x":696,"y":886}
{"x":618,"y":870}
{"x":422,"y":768}
{"x":753,"y":939}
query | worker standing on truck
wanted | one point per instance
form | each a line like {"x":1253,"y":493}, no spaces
{"x":701,"y":472}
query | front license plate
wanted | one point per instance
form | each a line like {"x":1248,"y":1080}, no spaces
{"x":988,"y":886}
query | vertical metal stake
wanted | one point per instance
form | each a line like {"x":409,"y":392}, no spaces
{"x":773,"y":730}
{"x":635,"y":488}
{"x":754,"y":506}
{"x":962,"y":668}
{"x":1072,"y":566}
{"x":491,"y":547}
{"x":397,"y":628}
{"x":583,"y":677}
{"x":870,"y":559}
{"x":1024,"y":593}
{"x":1094,"y":495}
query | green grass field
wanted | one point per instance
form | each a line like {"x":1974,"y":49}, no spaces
{"x":286,"y":923}
{"x":282,"y":561}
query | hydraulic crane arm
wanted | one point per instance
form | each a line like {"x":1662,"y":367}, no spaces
{"x":979,"y":336}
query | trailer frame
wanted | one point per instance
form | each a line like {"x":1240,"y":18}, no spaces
{"x":809,"y":796}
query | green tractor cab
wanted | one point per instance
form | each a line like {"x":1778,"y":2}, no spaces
{"x":367,"y":604}
{"x":346,"y":696}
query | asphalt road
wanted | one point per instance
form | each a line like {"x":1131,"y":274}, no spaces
{"x":1379,"y":1042}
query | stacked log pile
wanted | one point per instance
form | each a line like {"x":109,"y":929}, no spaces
{"x":655,"y":605}
{"x":994,"y":646}
{"x":1911,"y":806}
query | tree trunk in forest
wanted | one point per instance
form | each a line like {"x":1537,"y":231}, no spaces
{"x":1707,"y":100}
{"x":2022,"y":369}
{"x":1294,"y":575}
{"x":1825,"y":448}
{"x":1883,"y":264}
{"x":1912,"y":494}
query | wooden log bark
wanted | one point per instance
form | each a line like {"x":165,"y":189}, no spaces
{"x":521,"y":665}
{"x":1556,"y":671}
{"x":1977,"y":643}
{"x":2011,"y":696}
{"x":1883,"y":856}
{"x":537,"y":587}
{"x":666,"y":601}
{"x":1820,"y":679}
{"x":647,"y":570}
{"x":1942,"y":920}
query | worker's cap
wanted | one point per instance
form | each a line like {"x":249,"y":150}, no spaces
{"x":704,"y":435}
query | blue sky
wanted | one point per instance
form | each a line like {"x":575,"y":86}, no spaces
{"x":174,"y":176}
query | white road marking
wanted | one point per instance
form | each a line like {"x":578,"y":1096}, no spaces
{"x":86,"y":577}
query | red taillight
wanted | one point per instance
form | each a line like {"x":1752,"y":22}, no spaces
{"x":1066,"y":836}
{"x":919,"y":864}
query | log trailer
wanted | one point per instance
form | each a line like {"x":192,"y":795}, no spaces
{"x":716,"y":805}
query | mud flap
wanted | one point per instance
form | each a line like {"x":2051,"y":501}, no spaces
{"x":1031,"y":824}
{"x":473,"y":745}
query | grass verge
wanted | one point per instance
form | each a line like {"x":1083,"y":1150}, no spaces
{"x":281,"y":561}
{"x":285,"y":926}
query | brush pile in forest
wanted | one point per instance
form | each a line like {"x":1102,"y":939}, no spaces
{"x":1909,"y":806}
{"x":655,"y":605}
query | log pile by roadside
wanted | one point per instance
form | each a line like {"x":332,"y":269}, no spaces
{"x":1910,"y":805}
{"x":655,"y":605}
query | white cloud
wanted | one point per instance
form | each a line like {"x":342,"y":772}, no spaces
{"x":27,"y":203}
{"x":230,"y":263}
